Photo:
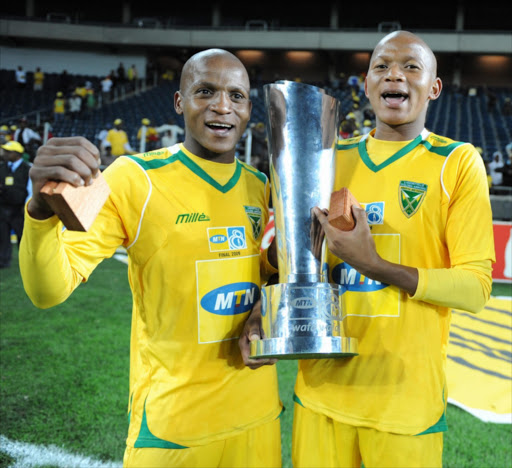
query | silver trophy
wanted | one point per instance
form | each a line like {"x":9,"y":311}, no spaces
{"x":302,"y":317}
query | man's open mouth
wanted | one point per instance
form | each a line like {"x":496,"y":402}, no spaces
{"x":219,"y":126}
{"x":394,"y":97}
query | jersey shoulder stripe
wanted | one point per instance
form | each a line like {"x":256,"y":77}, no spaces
{"x":348,"y":143}
{"x":440,"y":145}
{"x":260,"y":175}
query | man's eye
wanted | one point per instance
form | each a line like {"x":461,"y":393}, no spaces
{"x":237,"y":96}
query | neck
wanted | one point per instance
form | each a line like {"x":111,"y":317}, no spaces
{"x":204,"y":153}
{"x":404,"y":132}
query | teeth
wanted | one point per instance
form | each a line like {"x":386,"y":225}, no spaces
{"x":220,"y":125}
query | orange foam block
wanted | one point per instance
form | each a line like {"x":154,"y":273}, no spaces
{"x":340,"y":211}
{"x":77,"y":207}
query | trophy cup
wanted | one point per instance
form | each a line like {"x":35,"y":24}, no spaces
{"x":302,"y":314}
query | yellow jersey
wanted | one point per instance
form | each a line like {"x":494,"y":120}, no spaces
{"x":192,"y":230}
{"x":427,"y":204}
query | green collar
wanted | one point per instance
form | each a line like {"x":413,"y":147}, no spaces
{"x":400,"y":153}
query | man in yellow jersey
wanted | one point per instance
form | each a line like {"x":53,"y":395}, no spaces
{"x":152,"y":139}
{"x":118,"y":139}
{"x":191,"y":218}
{"x":422,"y":246}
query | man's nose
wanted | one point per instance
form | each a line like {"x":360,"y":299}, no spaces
{"x":221,"y":102}
{"x":394,"y":72}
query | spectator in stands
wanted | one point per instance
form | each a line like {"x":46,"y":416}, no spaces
{"x":15,"y":190}
{"x":59,"y":107}
{"x":38,"y":79}
{"x":118,"y":139}
{"x":152,"y":139}
{"x":81,"y":91}
{"x":171,"y":133}
{"x":132,"y":73}
{"x":494,"y":167}
{"x":5,"y":135}
{"x":106,"y":89}
{"x":506,"y":169}
{"x":90,"y":96}
{"x":367,"y":126}
{"x":133,"y":76}
{"x":358,"y":114}
{"x":386,"y":407}
{"x":190,"y":396}
{"x":121,"y":74}
{"x":64,"y":81}
{"x":27,"y":137}
{"x":104,"y":145}
{"x":21,"y":78}
{"x":74,"y":106}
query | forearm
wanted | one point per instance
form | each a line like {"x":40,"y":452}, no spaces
{"x":47,"y":276}
{"x":401,"y":276}
{"x":268,"y":262}
{"x":467,"y":287}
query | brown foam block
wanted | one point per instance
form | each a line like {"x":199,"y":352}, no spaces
{"x":340,"y":211}
{"x":77,"y":207}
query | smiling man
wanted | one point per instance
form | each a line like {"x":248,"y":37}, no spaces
{"x":191,"y":218}
{"x":422,"y":246}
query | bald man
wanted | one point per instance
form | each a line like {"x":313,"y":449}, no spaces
{"x":422,"y":246}
{"x":191,"y":218}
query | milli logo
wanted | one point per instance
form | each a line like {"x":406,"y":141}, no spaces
{"x":191,"y":218}
{"x":231,"y":299}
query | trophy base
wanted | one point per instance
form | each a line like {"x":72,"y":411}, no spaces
{"x":304,"y":347}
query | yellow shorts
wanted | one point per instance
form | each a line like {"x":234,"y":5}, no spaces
{"x":256,"y":448}
{"x":319,"y":441}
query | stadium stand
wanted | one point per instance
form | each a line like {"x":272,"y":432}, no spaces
{"x":456,"y":115}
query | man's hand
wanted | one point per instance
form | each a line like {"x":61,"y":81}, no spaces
{"x":356,"y":247}
{"x":74,"y":160}
{"x":253,"y":331}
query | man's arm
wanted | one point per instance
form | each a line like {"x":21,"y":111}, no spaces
{"x":74,"y":160}
{"x":45,"y":264}
{"x":357,"y":248}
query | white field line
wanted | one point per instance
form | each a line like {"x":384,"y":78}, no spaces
{"x":121,"y":258}
{"x":30,"y":455}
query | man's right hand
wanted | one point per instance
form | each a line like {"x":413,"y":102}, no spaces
{"x":253,"y":331}
{"x":74,"y":160}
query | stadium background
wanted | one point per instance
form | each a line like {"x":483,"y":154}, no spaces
{"x":283,"y":40}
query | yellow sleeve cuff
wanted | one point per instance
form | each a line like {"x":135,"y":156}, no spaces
{"x":467,"y":286}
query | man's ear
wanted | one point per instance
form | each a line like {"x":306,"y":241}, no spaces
{"x":177,"y":103}
{"x":435,"y":92}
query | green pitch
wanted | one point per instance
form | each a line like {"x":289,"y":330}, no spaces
{"x":64,"y":377}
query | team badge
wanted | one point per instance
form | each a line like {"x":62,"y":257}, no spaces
{"x":254,"y":215}
{"x":411,"y":195}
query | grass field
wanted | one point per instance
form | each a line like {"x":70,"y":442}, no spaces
{"x":64,"y":378}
